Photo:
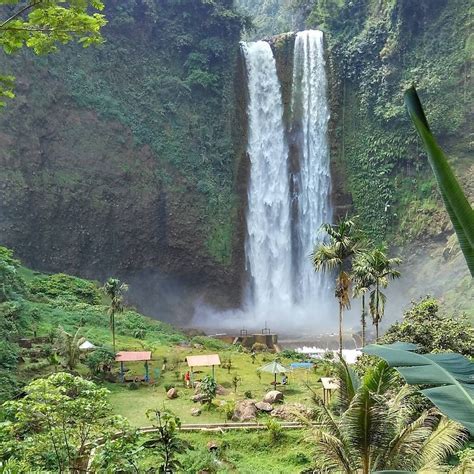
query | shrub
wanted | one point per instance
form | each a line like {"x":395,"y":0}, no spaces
{"x":209,"y":389}
{"x":423,"y":325}
{"x":12,"y":284}
{"x":274,"y":429}
{"x":100,"y":361}
{"x":67,"y":287}
{"x":227,"y":408}
{"x":133,"y":385}
{"x":292,"y":355}
{"x":210,"y":343}
{"x":248,"y":394}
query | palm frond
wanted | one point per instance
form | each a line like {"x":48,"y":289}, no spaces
{"x":403,"y":450}
{"x":349,"y":382}
{"x":448,"y":438}
{"x":366,"y":424}
{"x":380,"y":378}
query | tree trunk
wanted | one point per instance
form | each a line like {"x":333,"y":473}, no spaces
{"x":377,"y":312}
{"x":112,"y":319}
{"x":340,"y":327}
{"x":363,"y":320}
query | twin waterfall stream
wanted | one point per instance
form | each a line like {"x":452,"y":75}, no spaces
{"x":286,"y":203}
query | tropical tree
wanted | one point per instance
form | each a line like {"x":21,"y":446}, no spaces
{"x":67,"y":345}
{"x":209,"y":389}
{"x":166,"y":442}
{"x":432,"y":332}
{"x":377,"y":429}
{"x":363,"y":282}
{"x":115,"y":290}
{"x":43,"y":24}
{"x":55,"y":425}
{"x":380,"y":269}
{"x":336,"y":254}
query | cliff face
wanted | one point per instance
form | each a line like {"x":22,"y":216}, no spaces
{"x":120,"y":160}
{"x":377,"y":50}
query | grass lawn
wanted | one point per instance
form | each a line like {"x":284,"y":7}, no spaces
{"x":133,"y":404}
{"x":246,"y":452}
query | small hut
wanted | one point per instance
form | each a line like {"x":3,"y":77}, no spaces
{"x":330,"y":384}
{"x":210,"y":360}
{"x":129,"y":356}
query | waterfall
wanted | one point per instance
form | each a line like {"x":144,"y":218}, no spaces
{"x":268,"y":244}
{"x":311,"y":183}
{"x":286,"y":206}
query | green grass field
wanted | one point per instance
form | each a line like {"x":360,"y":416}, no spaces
{"x":133,"y":404}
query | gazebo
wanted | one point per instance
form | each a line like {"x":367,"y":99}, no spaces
{"x":130,"y":356}
{"x":210,"y":360}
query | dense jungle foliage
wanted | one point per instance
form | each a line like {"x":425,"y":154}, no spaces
{"x":37,"y":306}
{"x":378,"y":49}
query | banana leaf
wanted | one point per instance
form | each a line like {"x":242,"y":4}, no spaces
{"x":460,"y":211}
{"x":448,"y":378}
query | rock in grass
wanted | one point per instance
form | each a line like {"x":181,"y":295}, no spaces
{"x":273,"y":396}
{"x":264,"y":406}
{"x":195,"y":411}
{"x":172,"y":393}
{"x":292,"y":412}
{"x":245,"y":411}
{"x":200,"y":397}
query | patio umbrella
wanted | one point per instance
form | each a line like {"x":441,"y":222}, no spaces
{"x":274,"y":368}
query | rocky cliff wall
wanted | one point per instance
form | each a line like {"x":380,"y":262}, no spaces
{"x":120,"y":160}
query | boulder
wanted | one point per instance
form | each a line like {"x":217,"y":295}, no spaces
{"x":172,"y":393}
{"x":273,"y":396}
{"x":264,"y":406}
{"x":195,"y":411}
{"x":212,"y":446}
{"x":245,"y":411}
{"x":292,"y":412}
{"x":199,"y":397}
{"x":220,"y":390}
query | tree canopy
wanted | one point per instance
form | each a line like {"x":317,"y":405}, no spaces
{"x":42,"y":25}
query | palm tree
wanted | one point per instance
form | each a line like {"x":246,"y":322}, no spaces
{"x":380,"y":269}
{"x":336,"y":254}
{"x":377,"y":431}
{"x":115,"y":290}
{"x":363,"y":282}
{"x":67,"y":345}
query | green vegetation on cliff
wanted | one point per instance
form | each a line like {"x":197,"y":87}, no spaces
{"x":34,"y":306}
{"x":377,"y":50}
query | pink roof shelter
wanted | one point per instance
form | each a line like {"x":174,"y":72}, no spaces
{"x":132,"y":356}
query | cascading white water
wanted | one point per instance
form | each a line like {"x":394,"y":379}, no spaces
{"x":286,"y":205}
{"x":268,"y":244}
{"x":310,"y":115}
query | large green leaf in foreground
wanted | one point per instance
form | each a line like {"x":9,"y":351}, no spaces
{"x":449,"y":377}
{"x":460,"y":211}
